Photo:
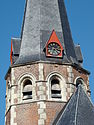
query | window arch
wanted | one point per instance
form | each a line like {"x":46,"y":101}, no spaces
{"x":27,"y":89}
{"x":80,"y":81}
{"x":56,"y":83}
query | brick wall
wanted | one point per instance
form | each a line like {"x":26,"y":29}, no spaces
{"x":27,"y":114}
{"x":52,"y":110}
{"x":37,"y":111}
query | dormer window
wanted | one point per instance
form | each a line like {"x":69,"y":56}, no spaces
{"x":54,"y":47}
{"x":55,"y":88}
{"x":27,"y":89}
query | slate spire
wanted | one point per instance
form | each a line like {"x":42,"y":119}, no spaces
{"x":40,"y":19}
{"x":78,"y":111}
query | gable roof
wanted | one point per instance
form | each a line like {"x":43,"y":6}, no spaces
{"x":78,"y":111}
{"x":40,"y":18}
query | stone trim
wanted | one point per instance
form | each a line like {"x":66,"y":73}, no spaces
{"x":41,"y":113}
{"x":70,"y":85}
{"x":41,"y":75}
{"x":8,"y":95}
{"x":70,"y":74}
{"x":5,"y":117}
{"x":13,"y":94}
{"x":13,"y":115}
{"x":36,"y":101}
{"x":41,"y":91}
{"x":13,"y":97}
{"x":41,"y":84}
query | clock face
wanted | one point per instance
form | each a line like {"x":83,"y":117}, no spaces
{"x":54,"y":49}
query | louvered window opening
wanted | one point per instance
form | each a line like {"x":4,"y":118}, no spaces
{"x":55,"y":89}
{"x":27,"y":90}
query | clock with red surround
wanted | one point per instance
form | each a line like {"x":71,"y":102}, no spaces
{"x":54,"y":47}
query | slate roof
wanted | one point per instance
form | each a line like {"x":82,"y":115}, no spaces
{"x":78,"y":111}
{"x":16,"y":44}
{"x":40,"y":18}
{"x":78,"y":53}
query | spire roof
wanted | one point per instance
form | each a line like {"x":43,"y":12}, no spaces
{"x":41,"y":17}
{"x":78,"y":111}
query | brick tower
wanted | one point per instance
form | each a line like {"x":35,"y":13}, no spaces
{"x":46,"y":67}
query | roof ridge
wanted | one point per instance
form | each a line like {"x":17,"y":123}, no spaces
{"x":22,"y":27}
{"x":77,"y":105}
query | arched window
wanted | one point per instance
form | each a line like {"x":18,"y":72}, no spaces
{"x":27,"y":89}
{"x":80,"y":81}
{"x":55,"y":88}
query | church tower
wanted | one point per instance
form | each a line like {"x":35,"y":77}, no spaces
{"x":46,"y":68}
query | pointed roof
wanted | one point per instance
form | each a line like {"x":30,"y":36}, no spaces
{"x":79,"y":54}
{"x":40,"y":18}
{"x":78,"y":111}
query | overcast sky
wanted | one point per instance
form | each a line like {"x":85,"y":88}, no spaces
{"x":81,"y":19}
